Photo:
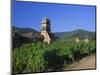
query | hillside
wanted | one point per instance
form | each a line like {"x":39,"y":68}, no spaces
{"x":82,"y":34}
{"x":23,"y":35}
{"x":23,"y":30}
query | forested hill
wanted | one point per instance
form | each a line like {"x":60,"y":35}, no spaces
{"x":23,"y":30}
{"x":79,"y":33}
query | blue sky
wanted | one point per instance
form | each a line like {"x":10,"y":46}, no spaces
{"x":63,"y":17}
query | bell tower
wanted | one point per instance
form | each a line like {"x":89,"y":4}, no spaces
{"x":45,"y":30}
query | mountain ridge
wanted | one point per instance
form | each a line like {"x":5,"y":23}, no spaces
{"x":62,"y":35}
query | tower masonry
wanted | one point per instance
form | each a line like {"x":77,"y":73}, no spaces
{"x":46,"y":30}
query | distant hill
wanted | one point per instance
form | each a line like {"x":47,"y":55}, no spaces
{"x":23,"y":30}
{"x":23,"y":35}
{"x":82,"y":34}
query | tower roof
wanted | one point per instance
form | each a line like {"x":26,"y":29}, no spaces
{"x":45,"y":20}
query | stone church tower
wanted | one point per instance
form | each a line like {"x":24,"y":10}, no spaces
{"x":45,"y":30}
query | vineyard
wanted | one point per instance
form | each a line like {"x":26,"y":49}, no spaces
{"x":43,"y":57}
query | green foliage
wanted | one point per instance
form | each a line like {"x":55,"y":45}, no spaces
{"x":40,"y":57}
{"x":28,"y":58}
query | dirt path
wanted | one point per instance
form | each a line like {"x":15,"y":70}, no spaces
{"x":86,"y":63}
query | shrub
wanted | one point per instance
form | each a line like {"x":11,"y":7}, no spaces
{"x":40,"y":57}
